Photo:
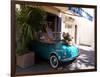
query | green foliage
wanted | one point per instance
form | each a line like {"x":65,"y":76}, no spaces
{"x":29,"y":21}
{"x":36,"y":17}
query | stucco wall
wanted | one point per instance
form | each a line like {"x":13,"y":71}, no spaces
{"x":85,"y":31}
{"x":51,"y":10}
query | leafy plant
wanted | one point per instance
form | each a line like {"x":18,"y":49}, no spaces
{"x":29,"y":21}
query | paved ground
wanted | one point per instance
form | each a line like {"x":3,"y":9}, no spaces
{"x":84,"y":61}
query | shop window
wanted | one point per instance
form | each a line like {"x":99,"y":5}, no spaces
{"x":68,"y":26}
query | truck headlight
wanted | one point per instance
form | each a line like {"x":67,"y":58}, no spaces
{"x":64,"y":53}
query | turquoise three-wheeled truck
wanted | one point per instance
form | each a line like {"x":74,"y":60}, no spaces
{"x":56,"y":52}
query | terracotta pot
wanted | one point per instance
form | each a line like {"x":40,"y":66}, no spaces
{"x":25,"y":60}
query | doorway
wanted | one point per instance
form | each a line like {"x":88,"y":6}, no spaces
{"x":54,"y":22}
{"x":75,"y":33}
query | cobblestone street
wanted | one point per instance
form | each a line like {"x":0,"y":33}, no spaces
{"x":84,"y":61}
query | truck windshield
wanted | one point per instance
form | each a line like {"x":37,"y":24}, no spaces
{"x":50,"y":38}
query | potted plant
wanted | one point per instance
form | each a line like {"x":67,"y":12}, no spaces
{"x":29,"y":21}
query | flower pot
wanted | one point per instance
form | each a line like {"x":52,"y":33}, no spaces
{"x":25,"y":60}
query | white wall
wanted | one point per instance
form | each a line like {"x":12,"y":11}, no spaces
{"x":64,"y":24}
{"x":85,"y":28}
{"x":51,"y":10}
{"x":85,"y":31}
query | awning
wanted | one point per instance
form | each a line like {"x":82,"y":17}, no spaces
{"x":80,"y":12}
